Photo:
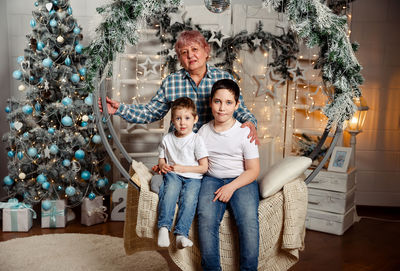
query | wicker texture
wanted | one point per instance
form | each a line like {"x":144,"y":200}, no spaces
{"x":282,"y":227}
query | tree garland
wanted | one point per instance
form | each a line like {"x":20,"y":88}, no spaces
{"x":284,"y":48}
{"x":340,"y":69}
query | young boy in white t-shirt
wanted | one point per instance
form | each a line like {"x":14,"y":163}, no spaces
{"x":230,"y":181}
{"x":182,"y":161}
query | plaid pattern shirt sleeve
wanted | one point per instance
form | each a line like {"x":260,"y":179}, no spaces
{"x":177,"y":85}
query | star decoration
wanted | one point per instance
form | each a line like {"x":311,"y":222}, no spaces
{"x":218,"y":41}
{"x":257,"y":41}
{"x":149,"y":67}
{"x":67,"y":138}
{"x":320,"y":87}
{"x":267,"y":83}
{"x":178,"y":16}
{"x":47,"y":152}
{"x":296,"y":72}
{"x":46,"y":85}
{"x":171,"y":53}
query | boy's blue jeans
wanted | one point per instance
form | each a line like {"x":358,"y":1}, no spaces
{"x":244,"y":205}
{"x":187,"y":190}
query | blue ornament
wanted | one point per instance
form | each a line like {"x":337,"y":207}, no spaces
{"x":84,"y":123}
{"x":10,"y":154}
{"x":40,"y":79}
{"x":75,"y":78}
{"x":51,"y":131}
{"x":78,"y":48}
{"x":82,"y":71}
{"x":66,"y":121}
{"x":20,"y":155}
{"x":41,"y":178}
{"x":66,"y":101}
{"x":31,"y":78}
{"x":7,"y":109}
{"x":67,"y":61}
{"x":46,"y":185}
{"x":69,"y":10}
{"x":70,"y":191}
{"x":59,"y":188}
{"x":54,"y":54}
{"x":85,"y":175}
{"x":36,"y":4}
{"x":53,"y":23}
{"x":109,"y":137}
{"x":89,"y":100}
{"x":32,"y":152}
{"x":46,"y":205}
{"x":47,"y":62}
{"x":92,"y":196}
{"x":51,"y":12}
{"x":66,"y":163}
{"x":26,"y":135}
{"x":27,"y":109}
{"x":107,"y":167}
{"x":91,"y":117}
{"x":32,"y":23}
{"x":20,"y":59}
{"x":55,"y":2}
{"x":12,"y":126}
{"x":79,"y":154}
{"x":38,"y":106}
{"x":96,"y":139}
{"x":100,"y":183}
{"x":106,"y":180}
{"x":17,"y":75}
{"x":77,"y":30}
{"x":8,"y":181}
{"x":38,"y":156}
{"x":54,"y":149}
{"x":40,"y":45}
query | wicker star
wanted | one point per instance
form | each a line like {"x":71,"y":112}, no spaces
{"x":297,"y":73}
{"x":267,"y":83}
{"x":149,"y":67}
{"x":178,"y":17}
{"x":215,"y":39}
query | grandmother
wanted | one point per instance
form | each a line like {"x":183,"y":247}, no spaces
{"x":194,"y":80}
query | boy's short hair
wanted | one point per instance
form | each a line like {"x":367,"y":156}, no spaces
{"x":183,"y":102}
{"x":226,"y":84}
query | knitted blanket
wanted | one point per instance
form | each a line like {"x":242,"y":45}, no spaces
{"x":282,"y":227}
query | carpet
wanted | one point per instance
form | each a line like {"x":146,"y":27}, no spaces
{"x":67,"y":252}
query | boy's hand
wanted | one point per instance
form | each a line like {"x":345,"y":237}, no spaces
{"x":253,"y":132}
{"x":156,"y":169}
{"x":165,"y":168}
{"x":224,"y":193}
{"x":177,"y":168}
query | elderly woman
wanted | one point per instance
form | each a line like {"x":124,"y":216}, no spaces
{"x":194,"y":81}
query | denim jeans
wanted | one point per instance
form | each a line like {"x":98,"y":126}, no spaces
{"x":187,"y":190}
{"x":244,"y":206}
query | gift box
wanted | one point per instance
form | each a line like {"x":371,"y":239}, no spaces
{"x":17,"y":216}
{"x":93,"y":212}
{"x":118,"y":201}
{"x":54,"y":215}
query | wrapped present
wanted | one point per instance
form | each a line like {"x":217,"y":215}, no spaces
{"x":54,"y":215}
{"x":93,"y":211}
{"x":118,"y":200}
{"x":17,"y":216}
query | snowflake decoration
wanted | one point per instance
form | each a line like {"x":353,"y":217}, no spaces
{"x":149,"y":66}
{"x":219,"y":40}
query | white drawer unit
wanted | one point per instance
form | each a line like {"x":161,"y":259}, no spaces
{"x":334,"y":181}
{"x":330,"y":222}
{"x":331,"y":201}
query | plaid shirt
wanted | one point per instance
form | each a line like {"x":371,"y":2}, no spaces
{"x":177,"y":85}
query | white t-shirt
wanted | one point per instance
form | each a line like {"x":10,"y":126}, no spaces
{"x":227,"y":150}
{"x":184,"y":151}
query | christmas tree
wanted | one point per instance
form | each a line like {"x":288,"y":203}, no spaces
{"x":53,"y":147}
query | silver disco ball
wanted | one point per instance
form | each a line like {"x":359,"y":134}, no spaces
{"x":217,"y":6}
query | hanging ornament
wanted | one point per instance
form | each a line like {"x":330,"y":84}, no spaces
{"x":20,"y":59}
{"x":47,"y":62}
{"x":61,"y":14}
{"x":60,"y":39}
{"x":46,"y":205}
{"x":75,"y":78}
{"x":219,"y":40}
{"x":217,"y":6}
{"x":78,"y":48}
{"x":89,"y":100}
{"x":296,"y":72}
{"x":84,"y":124}
{"x":54,"y":149}
{"x":100,"y":183}
{"x":76,"y":166}
{"x":27,"y":109}
{"x":22,"y":176}
{"x":49,"y":6}
{"x":149,"y":67}
{"x":46,"y":152}
{"x":10,"y":154}
{"x":7,"y":109}
{"x":53,"y":23}
{"x":67,"y":121}
{"x":41,"y":178}
{"x":26,"y":135}
{"x":107,"y":167}
{"x":51,"y":131}
{"x":85,"y":175}
{"x":32,"y":152}
{"x":36,"y":4}
{"x":77,"y":30}
{"x":79,"y":154}
{"x":46,"y":85}
{"x":38,"y":107}
{"x":46,"y":185}
{"x":85,"y":118}
{"x":66,"y":101}
{"x":8,"y":181}
{"x":70,"y":191}
{"x":66,"y":163}
{"x":171,"y":53}
{"x":17,"y":75}
{"x":21,"y":87}
{"x":20,"y":155}
{"x":92,"y":196}
{"x":268,"y":83}
{"x":69,"y":10}
{"x":59,"y":188}
{"x":257,"y":42}
{"x":51,"y":12}
{"x":67,"y":61}
{"x":55,"y":2}
{"x":18,"y":125}
{"x":32,"y":23}
{"x":96,"y":139}
{"x":40,"y":45}
{"x":82,"y":71}
{"x":54,"y":54}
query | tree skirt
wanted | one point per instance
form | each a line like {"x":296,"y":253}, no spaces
{"x":74,"y":252}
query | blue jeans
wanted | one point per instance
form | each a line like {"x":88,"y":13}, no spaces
{"x":244,"y":205}
{"x":187,"y":190}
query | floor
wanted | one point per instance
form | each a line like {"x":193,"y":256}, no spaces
{"x":371,"y":244}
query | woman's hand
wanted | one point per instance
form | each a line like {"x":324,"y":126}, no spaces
{"x":165,"y":168}
{"x":224,"y":193}
{"x":253,"y":132}
{"x":112,"y":106}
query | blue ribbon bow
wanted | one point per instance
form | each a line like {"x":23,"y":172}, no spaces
{"x":119,"y":185}
{"x":14,"y":204}
{"x":53,"y":213}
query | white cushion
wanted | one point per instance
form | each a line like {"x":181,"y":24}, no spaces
{"x":282,"y":173}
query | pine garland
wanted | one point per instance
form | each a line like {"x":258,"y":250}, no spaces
{"x":319,"y":26}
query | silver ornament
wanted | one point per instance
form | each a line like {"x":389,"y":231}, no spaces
{"x":217,"y":6}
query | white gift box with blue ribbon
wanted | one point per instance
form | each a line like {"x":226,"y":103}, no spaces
{"x":17,"y":216}
{"x":118,"y":200}
{"x":55,"y":216}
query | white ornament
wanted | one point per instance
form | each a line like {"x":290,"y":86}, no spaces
{"x":22,"y":175}
{"x":178,"y":16}
{"x":18,"y":125}
{"x":218,"y":41}
{"x":257,"y":42}
{"x":296,"y":72}
{"x":149,"y":67}
{"x":21,"y":87}
{"x":171,"y":53}
{"x":85,"y":118}
{"x":47,"y":152}
{"x":46,"y":85}
{"x":76,"y":167}
{"x":60,"y":39}
{"x":49,"y":6}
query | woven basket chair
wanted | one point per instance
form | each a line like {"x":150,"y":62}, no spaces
{"x":282,"y":227}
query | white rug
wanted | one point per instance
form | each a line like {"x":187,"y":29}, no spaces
{"x":59,"y":252}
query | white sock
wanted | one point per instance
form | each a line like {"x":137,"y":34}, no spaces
{"x":182,"y":241}
{"x":163,"y":237}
